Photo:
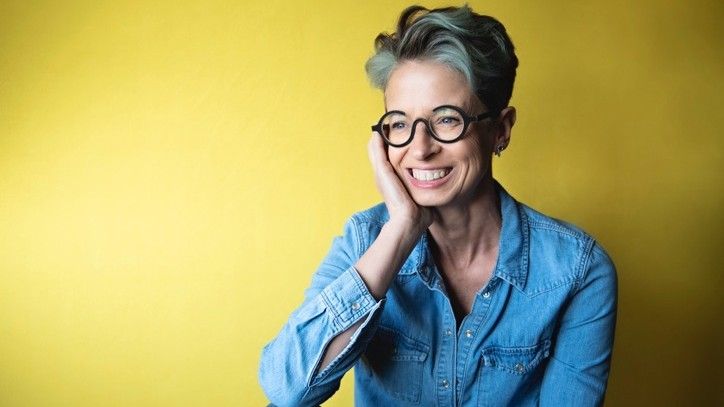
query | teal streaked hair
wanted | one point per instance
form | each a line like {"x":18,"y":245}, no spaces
{"x":475,"y":45}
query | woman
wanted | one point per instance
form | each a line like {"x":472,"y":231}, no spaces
{"x":451,"y":292}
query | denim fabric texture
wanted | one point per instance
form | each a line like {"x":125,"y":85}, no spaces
{"x":540,"y":332}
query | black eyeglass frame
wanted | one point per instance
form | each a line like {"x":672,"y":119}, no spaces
{"x":467,"y":120}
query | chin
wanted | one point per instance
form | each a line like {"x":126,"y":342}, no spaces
{"x":430,"y":199}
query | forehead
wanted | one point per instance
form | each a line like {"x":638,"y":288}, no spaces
{"x":420,"y":86}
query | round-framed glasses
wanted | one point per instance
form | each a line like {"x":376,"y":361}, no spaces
{"x":447,"y":124}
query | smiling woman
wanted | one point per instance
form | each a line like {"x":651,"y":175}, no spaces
{"x":450,"y":292}
{"x":449,"y":173}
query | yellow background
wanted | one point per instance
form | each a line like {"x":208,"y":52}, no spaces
{"x":171,"y":174}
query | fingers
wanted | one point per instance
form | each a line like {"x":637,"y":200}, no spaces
{"x":389,"y":184}
{"x":394,"y":192}
{"x":377,"y":151}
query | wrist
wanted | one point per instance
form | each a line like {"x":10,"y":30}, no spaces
{"x":407,"y":228}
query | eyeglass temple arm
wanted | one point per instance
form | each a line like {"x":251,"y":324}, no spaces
{"x":485,"y":115}
{"x":378,"y":127}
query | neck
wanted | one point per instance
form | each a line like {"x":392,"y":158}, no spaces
{"x":464,"y":233}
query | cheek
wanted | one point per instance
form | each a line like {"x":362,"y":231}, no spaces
{"x":394,"y":155}
{"x":484,"y":135}
{"x":476,"y":152}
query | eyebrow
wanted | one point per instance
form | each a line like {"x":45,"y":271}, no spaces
{"x":433,"y":109}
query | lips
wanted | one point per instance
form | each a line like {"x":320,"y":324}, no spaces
{"x":428,"y":178}
{"x":429,"y":175}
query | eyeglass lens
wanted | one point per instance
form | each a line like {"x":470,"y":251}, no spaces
{"x":447,"y":124}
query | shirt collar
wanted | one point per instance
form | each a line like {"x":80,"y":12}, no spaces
{"x":512,"y":263}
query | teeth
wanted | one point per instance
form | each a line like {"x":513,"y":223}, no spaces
{"x":428,"y":175}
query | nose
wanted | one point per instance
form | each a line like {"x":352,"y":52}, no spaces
{"x":422,"y":145}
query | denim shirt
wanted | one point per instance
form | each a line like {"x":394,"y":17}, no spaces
{"x":540,"y":331}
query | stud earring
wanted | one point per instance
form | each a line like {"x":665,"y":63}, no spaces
{"x":499,"y":150}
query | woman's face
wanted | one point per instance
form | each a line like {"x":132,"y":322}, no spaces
{"x":438,"y":174}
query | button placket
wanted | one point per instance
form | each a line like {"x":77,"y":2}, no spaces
{"x":446,"y":372}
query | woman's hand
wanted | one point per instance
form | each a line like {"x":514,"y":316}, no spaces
{"x":400,"y":205}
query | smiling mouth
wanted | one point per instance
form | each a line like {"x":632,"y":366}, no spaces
{"x":429,"y":175}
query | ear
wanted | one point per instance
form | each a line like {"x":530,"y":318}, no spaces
{"x":506,"y":120}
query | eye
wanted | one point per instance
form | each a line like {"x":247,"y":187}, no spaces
{"x":448,"y":120}
{"x":398,"y":125}
{"x":395,"y":122}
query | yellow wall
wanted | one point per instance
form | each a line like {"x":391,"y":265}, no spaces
{"x":171,"y":173}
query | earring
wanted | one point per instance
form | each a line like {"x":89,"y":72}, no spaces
{"x":499,"y":150}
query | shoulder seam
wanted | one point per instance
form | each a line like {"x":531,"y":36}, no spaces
{"x":559,"y":228}
{"x":585,"y":261}
{"x":357,"y":220}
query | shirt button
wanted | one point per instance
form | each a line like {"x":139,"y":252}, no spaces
{"x":469,"y":333}
{"x":486,"y":294}
{"x":445,"y":383}
{"x":448,"y":332}
{"x":519,"y":367}
{"x":355,"y":306}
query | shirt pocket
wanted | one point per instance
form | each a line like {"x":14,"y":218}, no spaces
{"x":512,"y":375}
{"x":396,"y":363}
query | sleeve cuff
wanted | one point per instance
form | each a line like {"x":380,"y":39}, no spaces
{"x":348,"y":298}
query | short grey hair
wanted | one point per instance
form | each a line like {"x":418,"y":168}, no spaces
{"x":475,"y":45}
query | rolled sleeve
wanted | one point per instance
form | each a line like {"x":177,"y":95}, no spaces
{"x":348,"y":299}
{"x":336,"y":299}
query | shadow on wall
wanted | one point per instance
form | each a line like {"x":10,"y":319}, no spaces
{"x":669,"y":331}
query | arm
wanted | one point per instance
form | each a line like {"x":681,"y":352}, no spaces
{"x":325,"y":336}
{"x":578,"y":369}
{"x":377,"y":267}
{"x":337,"y":302}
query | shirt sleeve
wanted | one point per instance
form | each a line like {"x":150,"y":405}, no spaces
{"x":577,"y":372}
{"x":336,"y":299}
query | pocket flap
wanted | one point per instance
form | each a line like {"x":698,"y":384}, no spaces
{"x":393,"y":345}
{"x":518,"y":360}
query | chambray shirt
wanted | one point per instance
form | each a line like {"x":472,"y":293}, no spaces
{"x":540,"y":331}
